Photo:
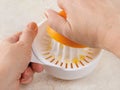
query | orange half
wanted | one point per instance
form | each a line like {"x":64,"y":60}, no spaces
{"x":62,"y":39}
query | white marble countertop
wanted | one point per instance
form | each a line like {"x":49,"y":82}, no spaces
{"x":15,"y":14}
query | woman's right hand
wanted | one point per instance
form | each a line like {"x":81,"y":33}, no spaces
{"x":93,"y":23}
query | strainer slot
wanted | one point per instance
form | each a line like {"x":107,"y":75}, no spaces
{"x":52,"y":60}
{"x":89,"y":57}
{"x":56,"y":62}
{"x":81,"y":63}
{"x":61,"y":64}
{"x":90,"y":53}
{"x":86,"y":60}
{"x":66,"y":65}
{"x":71,"y":65}
{"x":77,"y":65}
{"x":48,"y":57}
{"x":46,"y":53}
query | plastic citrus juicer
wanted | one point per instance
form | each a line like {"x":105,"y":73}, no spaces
{"x":61,"y":57}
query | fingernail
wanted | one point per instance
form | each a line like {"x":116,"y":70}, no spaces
{"x":29,"y":80}
{"x":23,"y":79}
{"x":32,"y":26}
{"x":40,"y":69}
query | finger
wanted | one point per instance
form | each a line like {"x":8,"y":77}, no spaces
{"x":14,"y":38}
{"x":36,"y":67}
{"x":29,"y":33}
{"x":27,"y":76}
{"x":61,"y":4}
{"x":58,"y":23}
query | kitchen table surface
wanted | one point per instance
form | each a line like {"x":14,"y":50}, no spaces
{"x":14,"y":16}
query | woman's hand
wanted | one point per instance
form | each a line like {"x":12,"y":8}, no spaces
{"x":94,"y":23}
{"x":15,"y":56}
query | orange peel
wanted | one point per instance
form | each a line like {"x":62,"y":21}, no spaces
{"x":62,"y":39}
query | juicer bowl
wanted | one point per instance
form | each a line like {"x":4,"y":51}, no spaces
{"x":57,"y":68}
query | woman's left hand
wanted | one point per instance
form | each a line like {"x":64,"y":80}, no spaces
{"x":15,"y":56}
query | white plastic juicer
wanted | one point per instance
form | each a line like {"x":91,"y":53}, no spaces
{"x":61,"y":61}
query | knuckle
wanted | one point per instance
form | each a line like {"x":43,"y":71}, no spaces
{"x":13,"y":37}
{"x":25,"y":47}
{"x":29,"y":31}
{"x":22,"y":44}
{"x":59,"y":1}
{"x":67,"y":31}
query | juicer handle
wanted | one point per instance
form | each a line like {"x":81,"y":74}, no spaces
{"x":34,"y":58}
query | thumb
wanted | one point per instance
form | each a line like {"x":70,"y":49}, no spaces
{"x":29,"y":34}
{"x":58,"y":23}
